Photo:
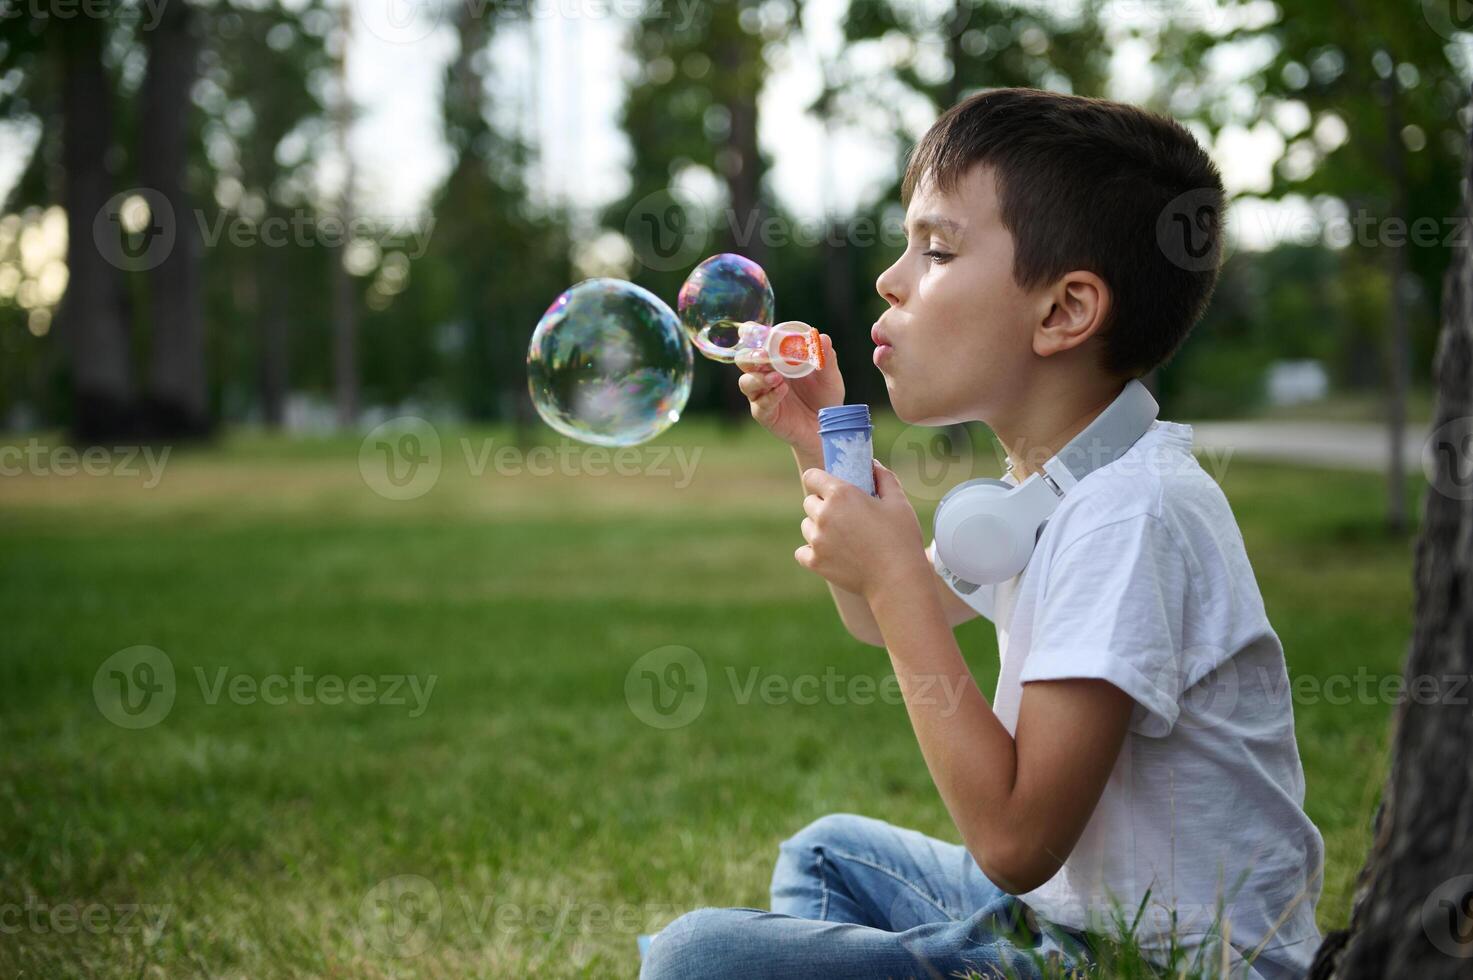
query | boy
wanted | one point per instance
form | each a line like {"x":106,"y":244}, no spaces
{"x":1139,"y":739}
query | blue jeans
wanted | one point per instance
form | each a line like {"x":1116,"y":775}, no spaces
{"x":855,"y":897}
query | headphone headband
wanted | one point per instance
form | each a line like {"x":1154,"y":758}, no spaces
{"x":1112,"y":432}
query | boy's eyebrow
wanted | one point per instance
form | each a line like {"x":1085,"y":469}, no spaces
{"x":933,"y":222}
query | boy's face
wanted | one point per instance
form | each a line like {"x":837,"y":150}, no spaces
{"x":956,"y":343}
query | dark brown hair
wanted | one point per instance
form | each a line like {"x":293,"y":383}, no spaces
{"x":1097,"y":185}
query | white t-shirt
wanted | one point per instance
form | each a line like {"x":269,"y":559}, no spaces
{"x":1140,"y":578}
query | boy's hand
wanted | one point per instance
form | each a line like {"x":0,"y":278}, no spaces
{"x":788,"y":408}
{"x":860,"y":543}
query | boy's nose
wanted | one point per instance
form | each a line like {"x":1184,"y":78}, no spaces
{"x":886,"y":284}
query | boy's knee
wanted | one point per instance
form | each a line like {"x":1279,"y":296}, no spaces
{"x":701,"y":943}
{"x":833,"y":830}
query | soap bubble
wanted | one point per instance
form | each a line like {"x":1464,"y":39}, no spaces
{"x":720,"y":295}
{"x":609,"y":364}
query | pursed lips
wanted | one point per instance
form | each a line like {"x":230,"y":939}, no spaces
{"x":882,"y":343}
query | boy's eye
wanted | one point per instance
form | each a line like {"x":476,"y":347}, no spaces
{"x":937,"y":256}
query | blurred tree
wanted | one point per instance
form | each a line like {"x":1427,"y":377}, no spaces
{"x":91,"y":320}
{"x":691,"y":115}
{"x":493,"y":262}
{"x":1369,"y":101}
{"x":344,"y":293}
{"x":32,"y":367}
{"x":1293,"y":301}
{"x":261,"y":72}
{"x":60,"y":83}
{"x":945,"y":52}
{"x":178,"y":392}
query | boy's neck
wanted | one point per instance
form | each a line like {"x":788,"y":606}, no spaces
{"x":1049,"y":417}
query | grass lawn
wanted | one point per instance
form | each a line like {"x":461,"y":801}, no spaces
{"x":518,"y":818}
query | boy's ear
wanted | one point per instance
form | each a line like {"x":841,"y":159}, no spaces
{"x":1077,"y":306}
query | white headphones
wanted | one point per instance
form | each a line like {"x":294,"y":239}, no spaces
{"x":986,"y":529}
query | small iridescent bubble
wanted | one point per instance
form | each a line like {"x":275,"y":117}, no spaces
{"x":720,"y":295}
{"x":727,"y":308}
{"x":609,"y":364}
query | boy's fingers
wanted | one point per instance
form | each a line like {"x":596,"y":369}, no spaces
{"x":821,"y":482}
{"x":750,"y":361}
{"x":756,"y":386}
{"x":886,"y":482}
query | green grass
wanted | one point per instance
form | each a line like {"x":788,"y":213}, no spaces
{"x":545,"y":823}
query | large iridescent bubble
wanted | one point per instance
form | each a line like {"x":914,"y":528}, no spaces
{"x":720,"y":295}
{"x":609,"y":364}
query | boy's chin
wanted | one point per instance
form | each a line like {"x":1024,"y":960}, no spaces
{"x":916,"y":411}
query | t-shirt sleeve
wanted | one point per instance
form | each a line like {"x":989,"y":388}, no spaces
{"x":1112,"y":607}
{"x":981,"y":599}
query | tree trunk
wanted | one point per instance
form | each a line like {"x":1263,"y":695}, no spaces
{"x":178,"y":378}
{"x":90,"y":321}
{"x":1413,"y":911}
{"x":740,"y":163}
{"x":275,"y":358}
{"x":1398,"y":340}
{"x":344,"y":299}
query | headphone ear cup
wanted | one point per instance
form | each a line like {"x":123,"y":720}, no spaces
{"x":969,"y":485}
{"x":981,"y":536}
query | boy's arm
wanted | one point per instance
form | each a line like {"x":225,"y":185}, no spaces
{"x":855,"y":613}
{"x":1020,"y":802}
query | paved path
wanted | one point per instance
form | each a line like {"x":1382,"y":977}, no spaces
{"x":1336,"y":445}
